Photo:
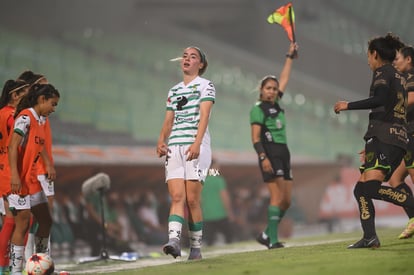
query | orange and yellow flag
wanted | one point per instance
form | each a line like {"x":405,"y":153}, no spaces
{"x":285,"y":17}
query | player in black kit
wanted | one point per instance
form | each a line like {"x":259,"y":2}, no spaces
{"x":386,"y":137}
{"x":404,"y":62}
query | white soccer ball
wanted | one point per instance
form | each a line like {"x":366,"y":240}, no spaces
{"x":40,"y":264}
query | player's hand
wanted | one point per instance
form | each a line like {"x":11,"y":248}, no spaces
{"x":340,"y":106}
{"x":16,"y":185}
{"x":162,"y":149}
{"x":51,"y":173}
{"x":267,"y":166}
{"x":193,"y":151}
{"x":293,"y":50}
{"x":362,"y":156}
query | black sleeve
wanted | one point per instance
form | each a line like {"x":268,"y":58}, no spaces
{"x":379,"y":99}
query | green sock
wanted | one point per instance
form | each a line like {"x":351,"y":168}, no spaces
{"x":273,"y":218}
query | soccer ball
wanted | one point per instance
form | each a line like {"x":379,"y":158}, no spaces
{"x":40,"y":264}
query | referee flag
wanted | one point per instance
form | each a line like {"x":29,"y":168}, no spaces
{"x":285,"y":17}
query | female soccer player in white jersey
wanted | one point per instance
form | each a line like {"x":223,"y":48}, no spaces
{"x":188,"y":153}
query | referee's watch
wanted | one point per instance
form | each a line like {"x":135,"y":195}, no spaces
{"x":262,"y":157}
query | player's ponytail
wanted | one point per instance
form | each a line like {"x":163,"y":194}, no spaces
{"x":11,"y":86}
{"x":5,"y":95}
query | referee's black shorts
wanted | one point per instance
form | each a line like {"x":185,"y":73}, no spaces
{"x":279,"y":157}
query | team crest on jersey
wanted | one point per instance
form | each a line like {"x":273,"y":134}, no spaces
{"x":272,"y":111}
{"x":21,"y":201}
{"x":194,"y":87}
{"x":408,"y":156}
{"x":369,"y":156}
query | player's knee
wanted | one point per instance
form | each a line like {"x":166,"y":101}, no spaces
{"x":403,"y":187}
{"x":372,"y":186}
{"x":285,"y":204}
{"x":177,"y":198}
{"x":193,"y":202}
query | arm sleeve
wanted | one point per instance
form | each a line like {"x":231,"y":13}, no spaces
{"x":21,"y":125}
{"x":208,"y":93}
{"x":379,"y":99}
{"x":256,"y":115}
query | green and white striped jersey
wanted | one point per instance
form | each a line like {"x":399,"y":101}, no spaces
{"x":185,"y":101}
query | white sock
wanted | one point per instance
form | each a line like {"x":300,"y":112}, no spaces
{"x":196,"y":238}
{"x":16,"y":258}
{"x":49,"y":250}
{"x":174,"y":230}
{"x":29,"y":248}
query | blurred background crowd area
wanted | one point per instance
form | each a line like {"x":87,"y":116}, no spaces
{"x":110,"y":60}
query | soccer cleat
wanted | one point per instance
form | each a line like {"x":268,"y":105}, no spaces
{"x":276,"y":245}
{"x":367,"y":243}
{"x":408,"y":231}
{"x":263,"y":241}
{"x":195,"y":254}
{"x":172,"y":247}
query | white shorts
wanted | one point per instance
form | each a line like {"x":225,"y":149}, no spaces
{"x":47,"y":185}
{"x":2,"y":207}
{"x":16,"y":202}
{"x":177,"y":166}
{"x":37,"y":199}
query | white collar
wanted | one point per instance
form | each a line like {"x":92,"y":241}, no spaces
{"x":37,"y":117}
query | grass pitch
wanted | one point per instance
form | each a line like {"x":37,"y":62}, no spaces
{"x":327,"y":254}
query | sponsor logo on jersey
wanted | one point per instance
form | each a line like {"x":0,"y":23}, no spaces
{"x":182,"y":101}
{"x":184,"y":119}
{"x":279,"y":172}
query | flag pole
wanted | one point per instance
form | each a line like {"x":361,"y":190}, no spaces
{"x":295,"y":53}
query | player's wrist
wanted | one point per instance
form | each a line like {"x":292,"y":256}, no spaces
{"x":258,"y":147}
{"x":290,"y":55}
{"x":262,"y":157}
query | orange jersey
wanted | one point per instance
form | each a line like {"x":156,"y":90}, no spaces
{"x":6,"y":123}
{"x":41,"y":168}
{"x":29,"y":151}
